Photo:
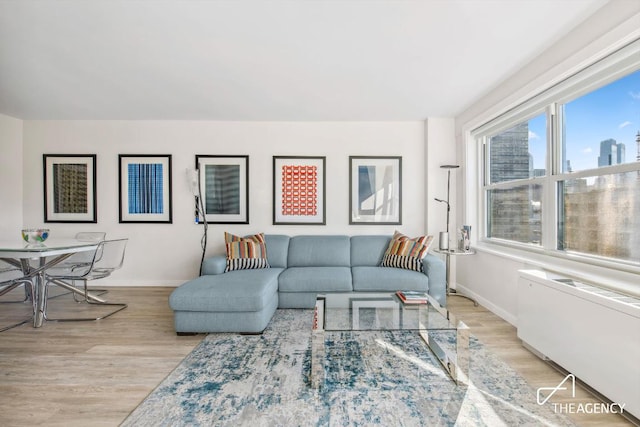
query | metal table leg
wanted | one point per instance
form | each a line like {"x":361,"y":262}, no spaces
{"x":454,"y":292}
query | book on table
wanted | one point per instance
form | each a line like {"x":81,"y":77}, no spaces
{"x":412,"y":297}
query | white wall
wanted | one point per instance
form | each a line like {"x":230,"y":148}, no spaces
{"x":440,"y":140}
{"x":491,"y":276}
{"x":11,"y":177}
{"x":169,"y":254}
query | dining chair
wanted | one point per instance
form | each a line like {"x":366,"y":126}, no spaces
{"x":91,"y":236}
{"x":10,"y":279}
{"x":82,"y":258}
{"x":108,"y":257}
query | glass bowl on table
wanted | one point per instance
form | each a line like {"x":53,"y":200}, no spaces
{"x":35,"y":235}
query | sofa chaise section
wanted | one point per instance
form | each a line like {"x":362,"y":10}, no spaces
{"x":238,"y":301}
{"x":235,"y":301}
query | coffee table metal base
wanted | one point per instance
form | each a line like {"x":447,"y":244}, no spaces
{"x":456,"y":365}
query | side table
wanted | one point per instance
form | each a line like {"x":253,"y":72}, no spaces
{"x":449,"y":253}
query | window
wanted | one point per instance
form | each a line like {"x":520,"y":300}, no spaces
{"x":515,"y":155}
{"x":600,"y":215}
{"x":599,"y":128}
{"x":515,"y":213}
{"x":562,"y":171}
{"x":599,"y":211}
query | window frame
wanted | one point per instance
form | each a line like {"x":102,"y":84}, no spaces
{"x":618,"y":64}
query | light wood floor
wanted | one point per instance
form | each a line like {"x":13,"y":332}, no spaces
{"x":96,"y":373}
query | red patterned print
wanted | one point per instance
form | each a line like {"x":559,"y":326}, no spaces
{"x":299,"y":190}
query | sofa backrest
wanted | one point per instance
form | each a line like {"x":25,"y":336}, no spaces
{"x":277,"y":249}
{"x":319,"y":251}
{"x":367,"y":251}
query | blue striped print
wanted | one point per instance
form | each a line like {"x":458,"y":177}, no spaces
{"x":145,"y":188}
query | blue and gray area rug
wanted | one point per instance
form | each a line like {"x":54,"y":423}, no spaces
{"x":372,"y":378}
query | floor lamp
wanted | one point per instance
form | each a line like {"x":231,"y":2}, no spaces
{"x":444,"y":238}
{"x":193,"y":178}
{"x":444,"y":235}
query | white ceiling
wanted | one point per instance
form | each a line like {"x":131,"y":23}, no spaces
{"x":267,"y":60}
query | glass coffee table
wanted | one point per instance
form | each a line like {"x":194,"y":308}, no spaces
{"x":386,"y":312}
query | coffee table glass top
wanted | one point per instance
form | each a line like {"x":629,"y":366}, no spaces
{"x":380,"y":311}
{"x":386,"y":312}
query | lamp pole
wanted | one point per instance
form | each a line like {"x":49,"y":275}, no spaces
{"x":444,"y":235}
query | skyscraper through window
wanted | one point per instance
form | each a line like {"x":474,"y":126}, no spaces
{"x":611,"y":153}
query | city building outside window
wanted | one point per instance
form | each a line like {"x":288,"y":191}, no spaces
{"x":562,"y":173}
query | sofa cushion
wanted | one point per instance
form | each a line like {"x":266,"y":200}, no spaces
{"x":319,"y":251}
{"x":404,"y":252}
{"x":315,"y":279}
{"x":277,"y":250}
{"x":242,"y":290}
{"x":368,"y":250}
{"x":377,"y":279}
{"x":245,"y":252}
{"x":297,"y":299}
{"x":216,"y":264}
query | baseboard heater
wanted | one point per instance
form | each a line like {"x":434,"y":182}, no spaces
{"x":591,"y":332}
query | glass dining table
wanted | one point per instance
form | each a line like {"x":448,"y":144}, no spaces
{"x":35,"y":258}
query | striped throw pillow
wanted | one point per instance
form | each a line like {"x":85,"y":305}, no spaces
{"x":258,"y":238}
{"x":245,"y":253}
{"x":407,"y":253}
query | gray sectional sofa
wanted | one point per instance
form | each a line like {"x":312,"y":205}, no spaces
{"x":301,"y":267}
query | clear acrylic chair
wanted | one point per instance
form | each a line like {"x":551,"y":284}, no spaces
{"x":82,"y":258}
{"x":108,"y":257}
{"x":12,"y":278}
{"x":92,"y":236}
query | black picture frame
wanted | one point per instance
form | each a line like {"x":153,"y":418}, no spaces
{"x":375,"y":190}
{"x":224,"y":186}
{"x":144,"y":187}
{"x":299,"y":190}
{"x":70,"y":188}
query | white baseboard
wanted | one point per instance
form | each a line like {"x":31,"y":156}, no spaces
{"x":498,"y":311}
{"x":138,"y":283}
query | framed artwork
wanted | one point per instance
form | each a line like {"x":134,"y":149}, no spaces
{"x":299,"y":190}
{"x":374,"y":313}
{"x":375,"y":190}
{"x":145,"y":188}
{"x":70,"y":188}
{"x":224,"y":186}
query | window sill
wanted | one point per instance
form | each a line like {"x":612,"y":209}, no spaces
{"x":619,"y":277}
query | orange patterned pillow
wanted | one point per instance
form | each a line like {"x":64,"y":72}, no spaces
{"x":245,"y":252}
{"x":405,"y":252}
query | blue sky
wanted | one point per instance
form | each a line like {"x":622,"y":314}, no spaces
{"x":612,"y":111}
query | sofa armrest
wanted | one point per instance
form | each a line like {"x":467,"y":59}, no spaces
{"x":435,"y":268}
{"x":217,"y":264}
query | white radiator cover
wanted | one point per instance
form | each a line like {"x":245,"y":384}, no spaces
{"x":591,"y":332}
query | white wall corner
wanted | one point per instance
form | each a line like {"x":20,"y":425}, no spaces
{"x":11,"y":174}
{"x":440,"y":149}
